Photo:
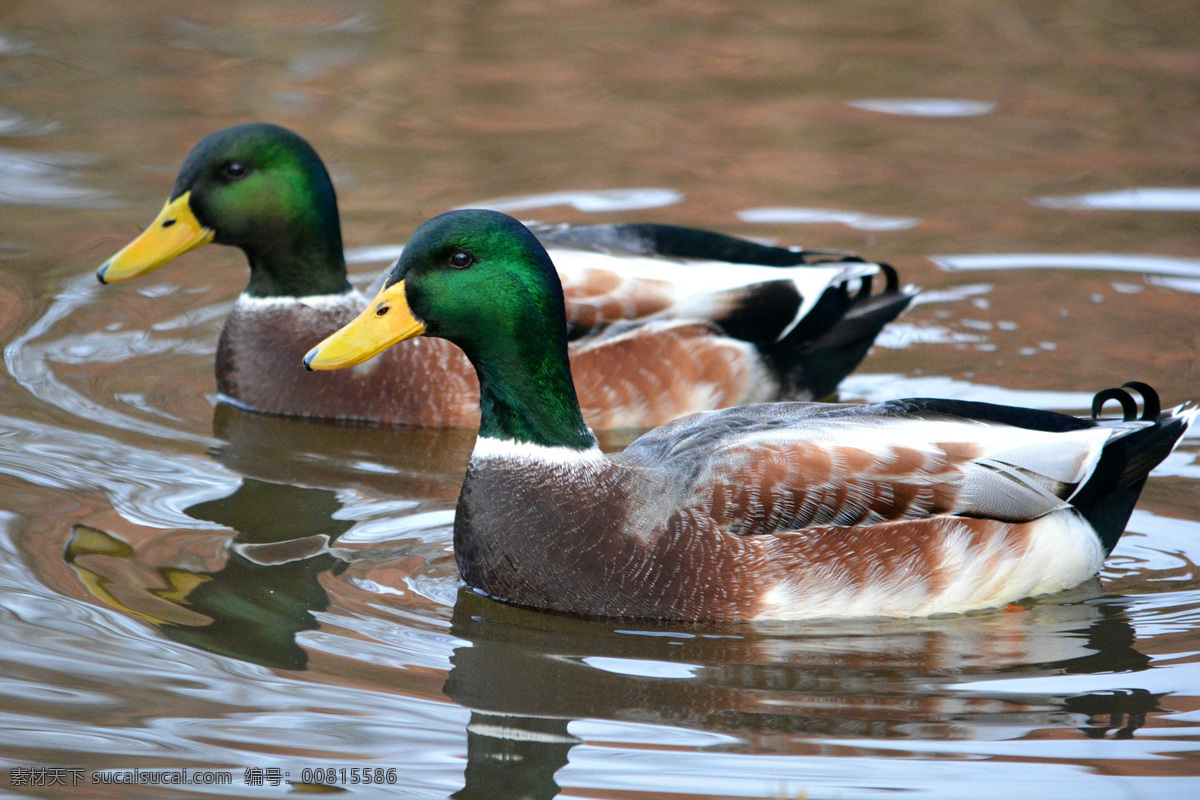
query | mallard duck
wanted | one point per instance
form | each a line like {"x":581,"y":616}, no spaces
{"x":779,"y":510}
{"x":664,"y":320}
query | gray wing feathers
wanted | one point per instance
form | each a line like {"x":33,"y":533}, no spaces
{"x":988,"y":469}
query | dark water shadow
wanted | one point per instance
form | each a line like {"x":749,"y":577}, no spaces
{"x":527,"y":675}
{"x":402,"y":461}
{"x":424,"y":464}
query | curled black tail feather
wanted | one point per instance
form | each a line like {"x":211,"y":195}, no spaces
{"x":1107,"y":499}
{"x":1128,"y":404}
{"x":1151,"y":405}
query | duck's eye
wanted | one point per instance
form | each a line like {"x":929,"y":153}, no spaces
{"x":235,"y":170}
{"x":461,"y":259}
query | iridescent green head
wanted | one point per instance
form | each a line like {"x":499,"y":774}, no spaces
{"x":483,"y":281}
{"x":257,"y":187}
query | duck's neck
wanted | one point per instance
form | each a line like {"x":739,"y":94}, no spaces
{"x":301,"y":261}
{"x":529,"y":399}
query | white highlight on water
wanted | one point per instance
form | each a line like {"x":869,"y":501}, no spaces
{"x":1115,"y":262}
{"x":1135,"y":199}
{"x":924,"y":106}
{"x":815,"y":216}
{"x":598,"y":201}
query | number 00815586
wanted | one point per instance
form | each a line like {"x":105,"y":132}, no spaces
{"x":344,"y":775}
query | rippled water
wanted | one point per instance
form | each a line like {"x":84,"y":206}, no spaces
{"x":188,"y":586}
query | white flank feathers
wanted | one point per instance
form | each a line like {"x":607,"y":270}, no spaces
{"x":1063,"y":551}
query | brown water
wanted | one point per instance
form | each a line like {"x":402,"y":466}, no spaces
{"x":249,"y":592}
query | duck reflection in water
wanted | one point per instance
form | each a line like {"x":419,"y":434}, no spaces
{"x":424,"y":464}
{"x":526,"y":675}
{"x":246,"y":598}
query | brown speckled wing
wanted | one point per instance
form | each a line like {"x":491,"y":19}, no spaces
{"x":788,"y":466}
{"x":785,"y":486}
{"x":652,"y":374}
{"x":598,"y":297}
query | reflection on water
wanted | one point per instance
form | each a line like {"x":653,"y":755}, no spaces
{"x":772,"y":685}
{"x":13,"y":124}
{"x":877,"y":388}
{"x":247,"y":600}
{"x":1191,"y":285}
{"x":42,"y":178}
{"x":146,"y":488}
{"x":184,"y":584}
{"x":31,"y":358}
{"x":925,"y":106}
{"x":1115,"y":262}
{"x":419,"y":463}
{"x":593,"y":201}
{"x":1145,"y":199}
{"x":816,"y":216}
{"x":852,"y":679}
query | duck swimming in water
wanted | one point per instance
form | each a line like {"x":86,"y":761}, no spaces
{"x":771,"y":511}
{"x":663,"y":320}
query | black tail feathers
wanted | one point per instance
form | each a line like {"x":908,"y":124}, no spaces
{"x":833,"y":339}
{"x":1107,"y":499}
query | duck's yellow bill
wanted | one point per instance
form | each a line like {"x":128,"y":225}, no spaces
{"x":387,"y":320}
{"x":174,"y":231}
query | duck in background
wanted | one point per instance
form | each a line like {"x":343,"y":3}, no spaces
{"x":662,"y":320}
{"x":780,"y":510}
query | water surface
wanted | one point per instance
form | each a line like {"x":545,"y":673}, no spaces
{"x":186,"y":585}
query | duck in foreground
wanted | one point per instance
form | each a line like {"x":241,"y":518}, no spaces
{"x":782,"y":510}
{"x":663,"y":320}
